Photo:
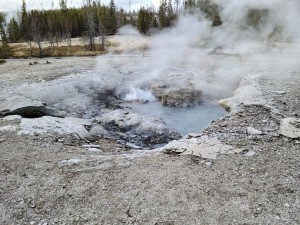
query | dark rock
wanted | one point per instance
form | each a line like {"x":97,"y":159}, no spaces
{"x":23,"y":106}
{"x":141,"y":130}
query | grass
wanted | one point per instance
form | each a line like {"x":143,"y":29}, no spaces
{"x":21,"y":51}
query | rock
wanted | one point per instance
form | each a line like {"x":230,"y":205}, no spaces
{"x":208,"y":163}
{"x":48,"y":124}
{"x":279,"y":92}
{"x":2,"y":140}
{"x":245,"y":94}
{"x":91,"y":146}
{"x":131,"y":145}
{"x":69,"y":162}
{"x":8,"y":128}
{"x":158,"y":89}
{"x":12,"y":117}
{"x":249,"y":153}
{"x":253,"y":131}
{"x":50,"y":111}
{"x":94,"y":150}
{"x":290,"y":127}
{"x":181,"y":97}
{"x":204,"y":147}
{"x":98,"y":131}
{"x":144,"y":128}
{"x":23,"y":106}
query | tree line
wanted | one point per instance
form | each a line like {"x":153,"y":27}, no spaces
{"x":93,"y":19}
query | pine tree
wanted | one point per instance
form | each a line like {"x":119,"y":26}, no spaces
{"x":162,"y":14}
{"x":145,"y":18}
{"x":13,"y":29}
{"x":112,"y":18}
{"x":25,"y":22}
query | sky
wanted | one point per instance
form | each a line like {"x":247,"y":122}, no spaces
{"x":10,"y":6}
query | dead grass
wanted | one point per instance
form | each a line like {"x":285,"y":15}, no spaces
{"x":21,"y":51}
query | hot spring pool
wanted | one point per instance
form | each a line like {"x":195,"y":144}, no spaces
{"x":185,"y":120}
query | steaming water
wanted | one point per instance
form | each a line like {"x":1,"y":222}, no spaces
{"x":184,"y":119}
{"x":139,"y":94}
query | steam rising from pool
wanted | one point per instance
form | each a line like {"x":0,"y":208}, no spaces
{"x":139,"y":94}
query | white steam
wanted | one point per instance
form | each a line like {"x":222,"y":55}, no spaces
{"x":280,"y":21}
{"x":196,"y":55}
{"x":139,"y":94}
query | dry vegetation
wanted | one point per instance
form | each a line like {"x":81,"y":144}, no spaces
{"x":78,"y":48}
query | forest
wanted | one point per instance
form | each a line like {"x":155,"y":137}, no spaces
{"x":91,"y":20}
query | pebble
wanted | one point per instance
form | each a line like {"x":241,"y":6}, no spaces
{"x":131,"y":145}
{"x":208,"y":163}
{"x":91,"y":146}
{"x":2,"y":140}
{"x":250,"y":153}
{"x":253,"y":131}
{"x":94,"y":150}
{"x":279,"y":92}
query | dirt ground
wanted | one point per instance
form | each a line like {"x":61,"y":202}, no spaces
{"x":54,"y":180}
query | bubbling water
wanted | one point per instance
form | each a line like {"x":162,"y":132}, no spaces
{"x":139,"y":94}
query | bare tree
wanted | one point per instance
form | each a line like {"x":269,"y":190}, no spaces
{"x":36,"y":31}
{"x":91,"y":25}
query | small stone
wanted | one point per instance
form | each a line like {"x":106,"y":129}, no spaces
{"x":277,"y":217}
{"x":287,"y":205}
{"x":279,"y":92}
{"x":253,"y":131}
{"x":2,"y":140}
{"x":249,"y":153}
{"x":208,"y":163}
{"x":131,"y":145}
{"x":91,"y":146}
{"x":94,"y":150}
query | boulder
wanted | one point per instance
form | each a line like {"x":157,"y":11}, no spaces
{"x":204,"y":147}
{"x":21,"y":105}
{"x":48,"y":125}
{"x":98,"y":131}
{"x":139,"y":129}
{"x":181,"y":97}
{"x":290,"y":127}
